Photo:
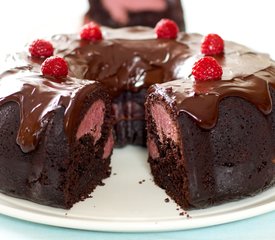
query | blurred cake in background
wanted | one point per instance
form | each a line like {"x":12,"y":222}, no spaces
{"x":120,"y":13}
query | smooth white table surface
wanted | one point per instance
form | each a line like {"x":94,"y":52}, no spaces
{"x":247,"y":22}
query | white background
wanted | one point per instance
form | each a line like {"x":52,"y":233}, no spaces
{"x":250,"y":22}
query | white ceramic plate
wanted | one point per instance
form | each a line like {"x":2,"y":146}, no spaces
{"x":130,"y":202}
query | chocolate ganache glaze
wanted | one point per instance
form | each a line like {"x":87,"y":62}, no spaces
{"x":131,"y":60}
{"x":38,"y":97}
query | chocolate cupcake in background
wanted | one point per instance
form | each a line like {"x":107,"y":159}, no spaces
{"x":121,"y":13}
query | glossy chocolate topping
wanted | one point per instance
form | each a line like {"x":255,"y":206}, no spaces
{"x":38,"y":97}
{"x":201,"y":100}
{"x":131,"y":59}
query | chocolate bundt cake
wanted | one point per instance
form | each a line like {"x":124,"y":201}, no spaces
{"x":209,"y":141}
{"x":121,"y":13}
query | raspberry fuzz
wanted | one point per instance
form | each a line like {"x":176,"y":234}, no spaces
{"x":54,"y":67}
{"x":212,"y":44}
{"x":207,"y":68}
{"x":41,"y":48}
{"x":91,"y":32}
{"x":166,"y":29}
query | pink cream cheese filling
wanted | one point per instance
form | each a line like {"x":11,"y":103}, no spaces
{"x":92,"y":121}
{"x":152,"y":148}
{"x":166,"y":126}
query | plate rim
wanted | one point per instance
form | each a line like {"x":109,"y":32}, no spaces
{"x":19,"y":209}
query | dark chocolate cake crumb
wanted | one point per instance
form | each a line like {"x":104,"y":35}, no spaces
{"x":167,"y":200}
{"x":142,"y":181}
{"x":114,"y":174}
{"x":184,"y":213}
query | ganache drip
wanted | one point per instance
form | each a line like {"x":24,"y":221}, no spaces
{"x":38,"y":97}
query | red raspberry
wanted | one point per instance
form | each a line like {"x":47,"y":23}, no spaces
{"x":91,"y":31}
{"x":55,"y":67}
{"x":41,"y":48}
{"x":166,"y":29}
{"x":207,"y":68}
{"x":212,"y":44}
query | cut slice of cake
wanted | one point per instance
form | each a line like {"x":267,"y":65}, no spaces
{"x":56,"y":137}
{"x":207,"y":147}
